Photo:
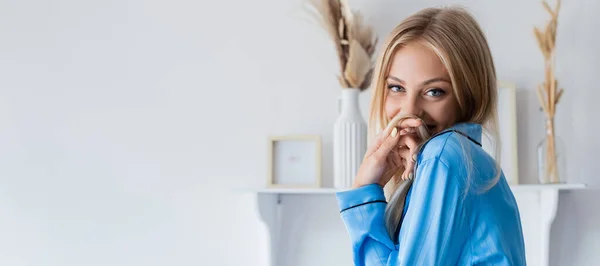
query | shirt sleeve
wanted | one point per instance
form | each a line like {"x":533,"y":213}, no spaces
{"x":432,"y":232}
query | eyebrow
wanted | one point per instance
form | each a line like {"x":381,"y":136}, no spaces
{"x":425,"y":83}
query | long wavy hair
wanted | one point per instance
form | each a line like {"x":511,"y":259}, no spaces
{"x":457,"y":39}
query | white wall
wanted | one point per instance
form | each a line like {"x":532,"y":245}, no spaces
{"x":126,"y":125}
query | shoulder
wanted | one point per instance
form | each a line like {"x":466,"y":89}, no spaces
{"x":441,"y":167}
{"x":450,"y":148}
{"x":460,"y":157}
{"x":441,"y":161}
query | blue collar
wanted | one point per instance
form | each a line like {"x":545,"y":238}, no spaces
{"x":471,"y":130}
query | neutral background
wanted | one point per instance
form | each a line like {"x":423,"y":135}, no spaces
{"x":127,"y":126}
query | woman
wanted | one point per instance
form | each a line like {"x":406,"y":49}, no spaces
{"x":457,"y":208}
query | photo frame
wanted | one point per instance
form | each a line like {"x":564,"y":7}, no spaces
{"x":295,"y":161}
{"x":507,"y":129}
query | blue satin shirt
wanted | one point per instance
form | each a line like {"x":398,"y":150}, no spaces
{"x":450,"y":218}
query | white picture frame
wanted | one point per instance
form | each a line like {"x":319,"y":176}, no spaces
{"x":507,"y":129}
{"x":295,"y":161}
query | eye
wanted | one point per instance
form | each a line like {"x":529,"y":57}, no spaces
{"x":396,"y":88}
{"x":436,"y":92}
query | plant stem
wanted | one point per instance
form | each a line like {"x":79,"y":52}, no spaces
{"x":551,"y":167}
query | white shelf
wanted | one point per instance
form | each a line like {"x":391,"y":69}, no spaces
{"x":522,"y":187}
{"x":298,"y":190}
{"x":540,"y":187}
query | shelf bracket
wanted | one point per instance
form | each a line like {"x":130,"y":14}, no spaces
{"x":548,"y":202}
{"x":270,"y":208}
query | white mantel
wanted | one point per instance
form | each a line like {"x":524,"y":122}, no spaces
{"x":537,"y":205}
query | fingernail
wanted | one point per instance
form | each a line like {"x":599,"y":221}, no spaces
{"x":410,"y":176}
{"x":394,"y":132}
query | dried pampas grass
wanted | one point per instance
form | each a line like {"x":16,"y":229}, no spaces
{"x":548,"y":92}
{"x":354,"y":41}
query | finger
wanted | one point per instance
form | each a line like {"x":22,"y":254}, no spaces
{"x":410,"y":122}
{"x":405,"y":120}
{"x":421,"y":130}
{"x":410,"y":166}
{"x":407,"y":131}
{"x":398,"y":174}
{"x":379,"y":138}
{"x":409,"y":141}
{"x":407,"y":123}
{"x":388,"y":144}
{"x":408,"y":162}
{"x":390,"y":160}
{"x":397,"y":158}
{"x":394,"y":158}
{"x":406,"y":170}
{"x":392,"y":173}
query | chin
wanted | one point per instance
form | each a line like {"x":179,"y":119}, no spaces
{"x":432,"y":129}
{"x":435,"y":128}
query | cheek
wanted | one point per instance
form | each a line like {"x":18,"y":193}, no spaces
{"x":391,"y":108}
{"x":444,"y":114}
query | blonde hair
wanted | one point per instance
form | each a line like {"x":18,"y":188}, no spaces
{"x":457,"y":39}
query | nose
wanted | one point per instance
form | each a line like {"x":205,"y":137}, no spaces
{"x":411,"y":106}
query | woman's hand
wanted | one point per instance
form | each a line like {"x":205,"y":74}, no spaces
{"x":390,"y":153}
{"x":408,"y":146}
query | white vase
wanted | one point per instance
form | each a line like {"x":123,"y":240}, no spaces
{"x":349,"y":139}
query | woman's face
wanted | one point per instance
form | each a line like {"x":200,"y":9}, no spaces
{"x":419,"y":84}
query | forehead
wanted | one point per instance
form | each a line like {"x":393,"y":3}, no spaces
{"x":415,"y":62}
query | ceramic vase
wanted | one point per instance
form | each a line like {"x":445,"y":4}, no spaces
{"x":349,"y":139}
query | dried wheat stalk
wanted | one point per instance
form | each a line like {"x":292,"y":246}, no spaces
{"x":354,"y":41}
{"x":548,"y":92}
